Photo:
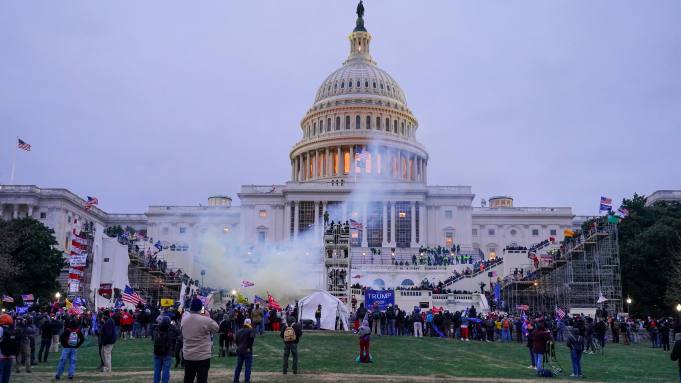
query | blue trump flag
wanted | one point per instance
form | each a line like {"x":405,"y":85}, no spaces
{"x":381,"y":298}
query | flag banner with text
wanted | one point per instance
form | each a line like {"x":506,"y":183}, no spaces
{"x":380,"y":298}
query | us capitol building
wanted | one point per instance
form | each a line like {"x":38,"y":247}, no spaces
{"x":358,"y":158}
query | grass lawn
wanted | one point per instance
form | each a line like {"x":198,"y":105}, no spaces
{"x":330,"y":357}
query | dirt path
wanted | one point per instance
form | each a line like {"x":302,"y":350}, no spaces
{"x":223,"y":375}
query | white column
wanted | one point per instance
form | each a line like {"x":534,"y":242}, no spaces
{"x":365,"y":243}
{"x":392,"y":224}
{"x":287,"y":221}
{"x":413,"y":224}
{"x":327,"y":168}
{"x":339,"y":153}
{"x":400,"y":170}
{"x":30,"y":211}
{"x":385,"y":225}
{"x":15,"y":211}
{"x":315,"y":164}
{"x":423,"y":217}
{"x":296,"y":217}
{"x":352,"y":160}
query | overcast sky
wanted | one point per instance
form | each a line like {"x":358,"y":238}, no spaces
{"x":167,"y":102}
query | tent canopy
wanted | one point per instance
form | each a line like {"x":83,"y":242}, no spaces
{"x":331,"y":306}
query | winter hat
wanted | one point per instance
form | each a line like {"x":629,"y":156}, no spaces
{"x":196,"y":305}
{"x":6,"y":320}
{"x":247,"y":322}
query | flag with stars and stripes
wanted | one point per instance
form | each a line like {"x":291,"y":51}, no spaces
{"x":23,"y":145}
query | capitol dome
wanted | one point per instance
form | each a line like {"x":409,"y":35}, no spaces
{"x":359,"y":125}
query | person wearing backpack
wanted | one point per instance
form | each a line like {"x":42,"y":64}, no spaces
{"x":575,"y":343}
{"x":164,"y":349}
{"x":291,"y":334}
{"x":70,"y":339}
{"x":9,"y":347}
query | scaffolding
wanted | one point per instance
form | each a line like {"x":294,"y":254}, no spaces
{"x":151,"y":283}
{"x":584,"y":274}
{"x":337,"y":261}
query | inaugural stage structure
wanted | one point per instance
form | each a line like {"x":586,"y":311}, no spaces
{"x":583,"y":274}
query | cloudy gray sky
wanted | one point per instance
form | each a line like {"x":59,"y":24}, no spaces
{"x":167,"y":102}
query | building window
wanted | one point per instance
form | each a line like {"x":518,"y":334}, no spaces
{"x":43,"y":215}
{"x":402,"y":128}
{"x":378,"y":123}
{"x":350,"y":84}
{"x":358,"y":84}
{"x":395,"y":126}
{"x":328,"y":124}
{"x":475,"y":232}
{"x":449,"y":239}
{"x":535,"y":232}
{"x":357,"y":122}
{"x":403,"y":224}
{"x":183,"y":230}
{"x":448,"y":214}
{"x":262,"y":213}
{"x":368,"y":125}
{"x":262,"y":236}
{"x":553,"y":232}
{"x":305,"y":216}
{"x":337,"y":123}
{"x":490,"y":232}
{"x":343,"y":85}
{"x":321,"y":126}
{"x":366,"y":84}
{"x":492,"y":252}
{"x":164,"y":230}
{"x":513,"y":232}
{"x":314,"y":129}
{"x":347,"y":122}
{"x":374,"y":84}
{"x":374,"y":227}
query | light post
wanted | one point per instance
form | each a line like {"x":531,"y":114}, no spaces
{"x":233,"y":296}
{"x":203,"y":272}
{"x":628,"y":304}
{"x":57,"y":295}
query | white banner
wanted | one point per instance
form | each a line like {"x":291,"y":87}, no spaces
{"x":74,"y":284}
{"x":78,"y":259}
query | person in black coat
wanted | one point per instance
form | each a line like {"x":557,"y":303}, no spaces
{"x":245,"y":338}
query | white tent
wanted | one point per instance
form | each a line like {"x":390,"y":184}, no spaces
{"x":331,"y":306}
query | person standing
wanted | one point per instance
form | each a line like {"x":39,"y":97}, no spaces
{"x":71,"y":339}
{"x":364,"y":342}
{"x":9,"y":347}
{"x":108,"y":337}
{"x":23,"y":336}
{"x":197,"y":331}
{"x":575,"y":342}
{"x":318,"y":317}
{"x":291,"y":334}
{"x":539,"y":338}
{"x":56,"y":330}
{"x":164,"y":349}
{"x":257,"y":319}
{"x":45,"y":340}
{"x":245,"y":338}
{"x":676,"y":352}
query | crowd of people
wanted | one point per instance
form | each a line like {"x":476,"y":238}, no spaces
{"x":187,"y":335}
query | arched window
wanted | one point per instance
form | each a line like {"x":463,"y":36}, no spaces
{"x":328,"y":124}
{"x":342,"y":84}
{"x":366,"y":84}
{"x":374,"y":84}
{"x":395,"y":126}
{"x":335,"y":86}
{"x":350,"y":84}
{"x":378,"y":123}
{"x":347,"y":122}
{"x":378,"y":284}
{"x":357,"y":122}
{"x":314,"y":128}
{"x":407,"y":282}
{"x":368,"y":124}
{"x":337,"y":123}
{"x":381,"y":86}
{"x":358,"y":84}
{"x":387,"y":124}
{"x":321,"y":126}
{"x":402,"y":128}
{"x":388,"y":87}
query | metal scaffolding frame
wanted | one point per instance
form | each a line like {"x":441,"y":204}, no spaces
{"x":337,"y":260}
{"x":587,"y":267}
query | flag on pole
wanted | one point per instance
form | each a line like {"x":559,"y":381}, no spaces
{"x":245,"y":284}
{"x":27,"y":297}
{"x":606,"y":204}
{"x":23,"y":145}
{"x":91,"y":201}
{"x":7,"y":299}
{"x":568,"y":233}
{"x":273,"y":302}
{"x":158,"y":245}
{"x":257,"y":299}
{"x":356,"y":225}
{"x":560,"y":312}
{"x":130,"y":296}
{"x":622,"y":212}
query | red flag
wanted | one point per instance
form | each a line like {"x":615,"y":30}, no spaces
{"x":273,"y":302}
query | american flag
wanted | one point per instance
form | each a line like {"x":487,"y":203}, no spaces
{"x":7,"y":299}
{"x":560,"y":313}
{"x":91,"y":201}
{"x":23,"y":145}
{"x":356,"y":225}
{"x":27,"y":297}
{"x":130,"y":296}
{"x":606,"y":204}
{"x":273,"y":302}
{"x":245,"y":284}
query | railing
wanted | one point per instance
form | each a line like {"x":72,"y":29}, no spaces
{"x":543,"y":210}
{"x":413,"y":293}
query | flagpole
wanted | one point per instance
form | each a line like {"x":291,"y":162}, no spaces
{"x":14,"y":162}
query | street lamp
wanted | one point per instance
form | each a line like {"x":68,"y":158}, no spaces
{"x":628,"y":303}
{"x":678,"y":308}
{"x":57,"y":295}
